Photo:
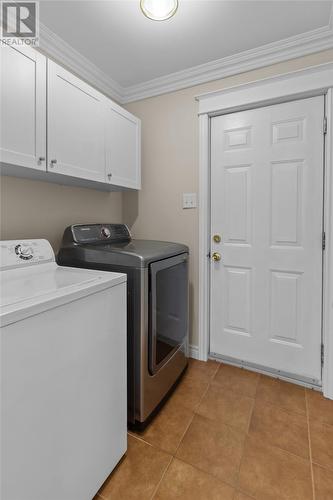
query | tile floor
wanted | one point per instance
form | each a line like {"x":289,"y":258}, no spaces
{"x":230,"y":434}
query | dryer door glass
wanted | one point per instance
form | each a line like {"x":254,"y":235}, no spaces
{"x":168,"y":309}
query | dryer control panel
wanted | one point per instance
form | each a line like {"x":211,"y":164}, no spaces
{"x":98,"y":233}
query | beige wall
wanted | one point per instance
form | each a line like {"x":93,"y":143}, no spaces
{"x":33,"y":209}
{"x":170,"y":165}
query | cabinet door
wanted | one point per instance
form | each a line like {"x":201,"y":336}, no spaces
{"x":23,"y":107}
{"x":75,"y":126}
{"x":123,"y":151}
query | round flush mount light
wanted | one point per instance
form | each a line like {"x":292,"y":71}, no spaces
{"x":159,"y":10}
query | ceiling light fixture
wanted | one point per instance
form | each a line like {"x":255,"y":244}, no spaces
{"x":159,"y":10}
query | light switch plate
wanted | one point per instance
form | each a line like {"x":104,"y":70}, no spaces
{"x":189,"y":200}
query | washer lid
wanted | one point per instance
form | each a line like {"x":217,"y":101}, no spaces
{"x":34,"y":289}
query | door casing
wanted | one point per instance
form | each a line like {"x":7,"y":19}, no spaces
{"x":308,"y":82}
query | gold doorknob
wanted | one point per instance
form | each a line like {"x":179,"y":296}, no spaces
{"x":216,"y":256}
{"x":217,"y":238}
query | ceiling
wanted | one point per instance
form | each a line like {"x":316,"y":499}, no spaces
{"x":131,"y":49}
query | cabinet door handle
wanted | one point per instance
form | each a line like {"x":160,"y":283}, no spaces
{"x":41,"y":158}
{"x":53,"y":163}
{"x":109,"y":176}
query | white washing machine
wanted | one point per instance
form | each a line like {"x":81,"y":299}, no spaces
{"x":63,"y":375}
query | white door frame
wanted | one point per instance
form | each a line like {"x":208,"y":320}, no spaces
{"x":309,"y":82}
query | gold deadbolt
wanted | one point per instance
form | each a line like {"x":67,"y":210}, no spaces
{"x":216,"y":256}
{"x":217,"y":238}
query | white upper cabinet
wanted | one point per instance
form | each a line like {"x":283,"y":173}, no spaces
{"x":75,"y":126}
{"x":122,"y":143}
{"x":23,"y":107}
{"x":56,"y":127}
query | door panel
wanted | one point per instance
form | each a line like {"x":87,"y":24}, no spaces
{"x":238,"y":300}
{"x":75,"y":126}
{"x":168,"y":309}
{"x":23,"y":107}
{"x":123,"y":156}
{"x":284,"y":306}
{"x":286,"y":198}
{"x":237,"y":204}
{"x":267,"y":205}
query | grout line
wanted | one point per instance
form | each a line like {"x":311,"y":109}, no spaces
{"x":243,"y":448}
{"x":268,"y":445}
{"x":207,"y":473}
{"x":99,"y":495}
{"x":161,"y":479}
{"x":141,"y":438}
{"x":247,"y":433}
{"x":191,"y":420}
{"x":180,"y":441}
{"x":266,"y":400}
{"x":251,"y":412}
{"x":326,"y":467}
{"x":253,"y":405}
{"x":216,"y":371}
{"x":248,"y":495}
{"x":258,"y":381}
{"x":135,"y":436}
{"x":278,"y":447}
{"x":194,"y":414}
{"x":310,"y":448}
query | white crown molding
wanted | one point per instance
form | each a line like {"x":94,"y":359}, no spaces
{"x":324,"y":71}
{"x":63,"y":53}
{"x":272,"y":53}
{"x":298,"y":83}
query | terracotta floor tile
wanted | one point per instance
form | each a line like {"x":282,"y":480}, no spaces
{"x":320,"y":408}
{"x":213,"y":447}
{"x":323,"y":479}
{"x":137,"y":476}
{"x":268,"y":473}
{"x":322,"y":444}
{"x":291,"y":397}
{"x":189,"y":393}
{"x":274,"y":426}
{"x":237,"y":379}
{"x":226,"y":406}
{"x":168,"y":427}
{"x":241,"y":496}
{"x":184,"y":482}
{"x":203,"y":371}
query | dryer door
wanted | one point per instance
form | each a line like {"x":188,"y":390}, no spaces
{"x":168,"y":309}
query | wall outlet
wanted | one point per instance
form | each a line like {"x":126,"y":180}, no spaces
{"x":189,"y":200}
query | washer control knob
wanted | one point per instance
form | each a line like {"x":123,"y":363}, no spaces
{"x":106,"y":233}
{"x":24,"y":252}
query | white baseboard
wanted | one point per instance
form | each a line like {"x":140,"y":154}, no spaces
{"x":194,"y":351}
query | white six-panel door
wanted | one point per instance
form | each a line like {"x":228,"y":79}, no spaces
{"x":267,"y":206}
